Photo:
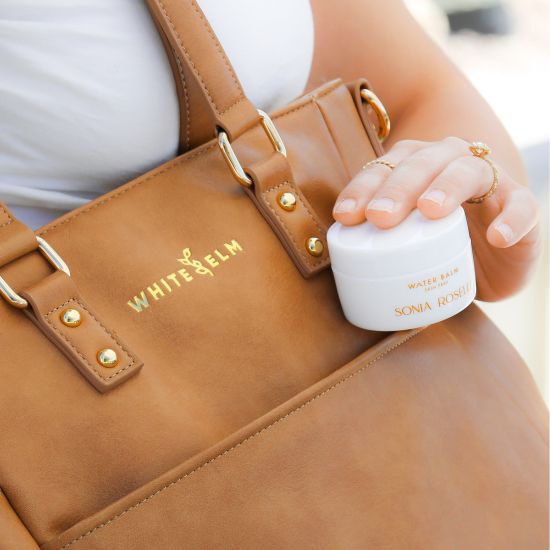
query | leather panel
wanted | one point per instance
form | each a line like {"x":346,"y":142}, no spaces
{"x":188,"y":397}
{"x":13,"y":534}
{"x":347,"y":130}
{"x":378,"y":455}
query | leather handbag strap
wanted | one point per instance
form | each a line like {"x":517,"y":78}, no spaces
{"x":199,"y":55}
{"x":185,"y":28}
{"x":56,"y":307}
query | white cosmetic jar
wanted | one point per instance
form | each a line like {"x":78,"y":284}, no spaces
{"x":415,"y":274}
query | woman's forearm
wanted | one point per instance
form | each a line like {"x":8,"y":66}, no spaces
{"x":429,"y":100}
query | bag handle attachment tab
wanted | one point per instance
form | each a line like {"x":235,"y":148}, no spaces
{"x":55,"y":306}
{"x":53,"y":258}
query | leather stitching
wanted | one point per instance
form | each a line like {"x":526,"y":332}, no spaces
{"x":186,"y":101}
{"x":300,"y":198}
{"x":79,"y":353}
{"x":10,"y":219}
{"x":287,"y":230}
{"x":291,"y":413}
{"x":195,"y":69}
{"x":218,"y":47}
{"x":234,"y":104}
{"x":181,"y":160}
{"x":186,"y":52}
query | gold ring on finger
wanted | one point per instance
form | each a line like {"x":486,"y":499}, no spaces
{"x":481,"y":150}
{"x":379,"y":161}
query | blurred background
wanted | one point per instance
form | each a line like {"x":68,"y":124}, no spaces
{"x":503,"y":46}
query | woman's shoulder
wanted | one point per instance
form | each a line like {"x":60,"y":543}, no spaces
{"x":80,"y":84}
{"x":88,"y":100}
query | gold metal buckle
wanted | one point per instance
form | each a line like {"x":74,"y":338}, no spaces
{"x":231,"y":158}
{"x":384,"y":124}
{"x":53,"y":258}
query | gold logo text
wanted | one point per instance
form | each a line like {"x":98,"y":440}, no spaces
{"x":194,"y":267}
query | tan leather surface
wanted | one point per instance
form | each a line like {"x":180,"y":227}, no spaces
{"x":197,"y":123}
{"x":222,"y":350}
{"x":271,"y":178}
{"x":48,"y":299}
{"x":219,"y":350}
{"x":390,"y":452}
{"x":16,"y":238}
{"x":195,"y":44}
{"x":13,"y":534}
{"x":254,"y":424}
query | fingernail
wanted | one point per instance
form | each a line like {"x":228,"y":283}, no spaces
{"x":384,"y":205}
{"x":506,"y":231}
{"x":435,"y":195}
{"x":345,"y":205}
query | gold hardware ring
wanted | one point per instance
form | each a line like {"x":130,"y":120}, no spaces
{"x":379,"y":161}
{"x":384,"y":124}
{"x":53,"y":258}
{"x":481,"y":150}
{"x":231,"y":158}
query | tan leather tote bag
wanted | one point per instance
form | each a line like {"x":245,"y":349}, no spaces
{"x":193,"y":383}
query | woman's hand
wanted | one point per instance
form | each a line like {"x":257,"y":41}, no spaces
{"x":437,"y":177}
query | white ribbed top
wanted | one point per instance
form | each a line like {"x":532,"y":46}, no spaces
{"x":87,"y":96}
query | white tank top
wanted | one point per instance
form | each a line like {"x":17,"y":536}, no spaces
{"x":87,"y":96}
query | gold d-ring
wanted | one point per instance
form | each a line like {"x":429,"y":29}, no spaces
{"x":231,"y":158}
{"x":481,"y":150}
{"x":7,"y":292}
{"x":384,"y":124}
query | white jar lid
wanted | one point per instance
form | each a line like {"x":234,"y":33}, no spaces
{"x":416,"y":244}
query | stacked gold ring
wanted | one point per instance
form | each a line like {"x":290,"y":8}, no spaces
{"x":479,"y":150}
{"x":379,"y":161}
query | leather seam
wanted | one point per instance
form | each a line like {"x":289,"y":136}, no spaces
{"x":188,"y":55}
{"x":186,"y":51}
{"x":206,"y":25}
{"x":79,"y":353}
{"x":10,"y":219}
{"x":300,"y":198}
{"x":234,"y":104}
{"x":311,"y":100}
{"x":135,"y":183}
{"x":186,"y":102}
{"x":177,"y":162}
{"x":350,"y":376}
{"x":330,"y":130}
{"x":287,"y":230}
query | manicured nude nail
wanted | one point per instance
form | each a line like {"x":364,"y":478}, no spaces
{"x":383,"y":205}
{"x":435,"y":195}
{"x":506,"y":231}
{"x":345,"y":206}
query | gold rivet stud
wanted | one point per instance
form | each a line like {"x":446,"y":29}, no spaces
{"x":70,"y":317}
{"x":287,"y":201}
{"x":107,"y":358}
{"x":315,"y":246}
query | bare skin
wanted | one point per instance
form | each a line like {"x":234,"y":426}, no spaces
{"x":429,"y":102}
